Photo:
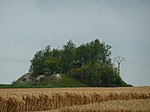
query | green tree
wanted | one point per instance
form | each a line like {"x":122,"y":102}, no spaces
{"x":90,"y":63}
{"x":99,"y":52}
{"x":68,"y":56}
{"x":37,"y":64}
{"x":93,"y":52}
{"x":96,"y":74}
{"x":52,"y":65}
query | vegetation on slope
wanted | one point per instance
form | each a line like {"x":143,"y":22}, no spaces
{"x":88,"y":64}
{"x":51,"y":81}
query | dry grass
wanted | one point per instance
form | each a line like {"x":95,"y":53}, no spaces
{"x":112,"y":106}
{"x":20,"y":100}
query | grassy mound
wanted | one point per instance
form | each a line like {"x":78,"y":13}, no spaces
{"x":64,"y":80}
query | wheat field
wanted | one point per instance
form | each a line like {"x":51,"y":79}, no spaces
{"x":125,"y":99}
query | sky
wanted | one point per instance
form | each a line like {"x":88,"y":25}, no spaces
{"x":27,"y":26}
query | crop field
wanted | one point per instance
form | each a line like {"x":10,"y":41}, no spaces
{"x":125,"y":99}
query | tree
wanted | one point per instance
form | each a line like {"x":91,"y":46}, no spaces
{"x":95,"y":74}
{"x":68,"y":56}
{"x":52,"y":65}
{"x":90,"y":63}
{"x":99,"y":52}
{"x":93,"y":52}
{"x":37,"y":64}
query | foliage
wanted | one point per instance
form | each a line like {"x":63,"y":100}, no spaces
{"x":68,"y":56}
{"x":24,"y":86}
{"x":89,"y":63}
{"x":95,"y":74}
{"x":65,"y":81}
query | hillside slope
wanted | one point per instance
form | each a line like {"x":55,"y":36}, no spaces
{"x":55,"y":80}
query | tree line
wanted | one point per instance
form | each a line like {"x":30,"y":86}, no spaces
{"x":90,"y":63}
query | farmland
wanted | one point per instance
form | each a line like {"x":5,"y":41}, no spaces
{"x":75,"y":99}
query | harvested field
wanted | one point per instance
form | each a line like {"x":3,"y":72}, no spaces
{"x":75,"y":99}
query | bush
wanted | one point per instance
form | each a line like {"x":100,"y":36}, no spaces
{"x":95,"y":74}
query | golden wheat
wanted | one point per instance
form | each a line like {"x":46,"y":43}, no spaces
{"x":20,"y":100}
{"x":112,"y":106}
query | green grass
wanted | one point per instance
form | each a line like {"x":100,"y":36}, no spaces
{"x":68,"y":81}
{"x":3,"y":86}
{"x":48,"y":82}
{"x":65,"y":81}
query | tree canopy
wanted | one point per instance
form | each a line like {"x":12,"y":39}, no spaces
{"x":90,"y":63}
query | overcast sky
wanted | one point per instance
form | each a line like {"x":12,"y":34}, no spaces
{"x":27,"y":26}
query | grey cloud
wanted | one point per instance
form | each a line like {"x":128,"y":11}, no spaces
{"x":28,"y":26}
